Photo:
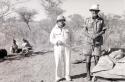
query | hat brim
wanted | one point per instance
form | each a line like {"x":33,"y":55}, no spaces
{"x":93,"y":10}
{"x":61,"y":20}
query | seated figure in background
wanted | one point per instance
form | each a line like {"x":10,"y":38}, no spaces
{"x":26,"y":48}
{"x":14,"y":48}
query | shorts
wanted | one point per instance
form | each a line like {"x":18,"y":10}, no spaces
{"x":92,"y":51}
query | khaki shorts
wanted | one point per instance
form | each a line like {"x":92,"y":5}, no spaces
{"x":89,"y":50}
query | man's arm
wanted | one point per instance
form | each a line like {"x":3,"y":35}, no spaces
{"x":53,"y":38}
{"x":100,"y":33}
{"x":85,"y":28}
{"x":86,"y":33}
{"x":103,"y":26}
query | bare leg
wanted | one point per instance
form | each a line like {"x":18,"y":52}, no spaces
{"x":88,"y":66}
{"x":96,"y":58}
{"x":97,"y":53}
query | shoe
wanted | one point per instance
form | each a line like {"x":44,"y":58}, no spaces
{"x":57,"y":79}
{"x":94,"y":79}
{"x":88,"y":78}
{"x":68,"y":78}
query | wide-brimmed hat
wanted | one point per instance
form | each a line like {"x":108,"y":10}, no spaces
{"x":94,"y":8}
{"x":61,"y":18}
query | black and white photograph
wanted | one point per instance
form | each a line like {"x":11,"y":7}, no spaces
{"x":62,"y":41}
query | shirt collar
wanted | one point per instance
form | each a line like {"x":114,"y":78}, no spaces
{"x":56,"y":26}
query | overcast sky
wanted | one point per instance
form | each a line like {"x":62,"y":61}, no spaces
{"x":80,"y":7}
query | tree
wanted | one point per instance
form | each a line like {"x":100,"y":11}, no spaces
{"x":26,"y":15}
{"x":7,"y":7}
{"x":76,"y":21}
{"x":52,"y":8}
{"x":4,"y":9}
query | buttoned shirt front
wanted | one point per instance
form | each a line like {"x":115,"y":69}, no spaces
{"x":93,"y":27}
{"x":60,"y":34}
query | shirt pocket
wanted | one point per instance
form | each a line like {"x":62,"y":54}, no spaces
{"x":58,"y":34}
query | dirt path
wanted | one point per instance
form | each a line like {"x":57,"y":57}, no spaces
{"x":37,"y":68}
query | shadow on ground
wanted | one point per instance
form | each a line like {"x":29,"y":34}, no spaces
{"x":17,"y":56}
{"x":83,"y":75}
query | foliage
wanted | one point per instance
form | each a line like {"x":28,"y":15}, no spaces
{"x":39,"y":36}
{"x":26,"y":15}
{"x":52,"y":8}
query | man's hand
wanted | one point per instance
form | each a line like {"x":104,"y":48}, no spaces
{"x":98,"y":34}
{"x":93,"y":36}
{"x":104,"y":30}
{"x":59,"y":43}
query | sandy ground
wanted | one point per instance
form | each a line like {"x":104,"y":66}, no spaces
{"x":39,"y":67}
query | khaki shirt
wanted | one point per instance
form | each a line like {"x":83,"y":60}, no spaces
{"x":58,"y":34}
{"x":93,"y":27}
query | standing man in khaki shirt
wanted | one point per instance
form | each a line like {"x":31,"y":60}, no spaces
{"x":60,"y":38}
{"x":93,"y":30}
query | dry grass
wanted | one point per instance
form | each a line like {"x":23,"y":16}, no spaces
{"x":39,"y":67}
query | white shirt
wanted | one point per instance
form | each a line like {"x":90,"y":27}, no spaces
{"x":60,"y":34}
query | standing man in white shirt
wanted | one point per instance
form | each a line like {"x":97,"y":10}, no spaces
{"x":60,"y":37}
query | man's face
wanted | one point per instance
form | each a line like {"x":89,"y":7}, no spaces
{"x":61,"y":24}
{"x":94,"y":13}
